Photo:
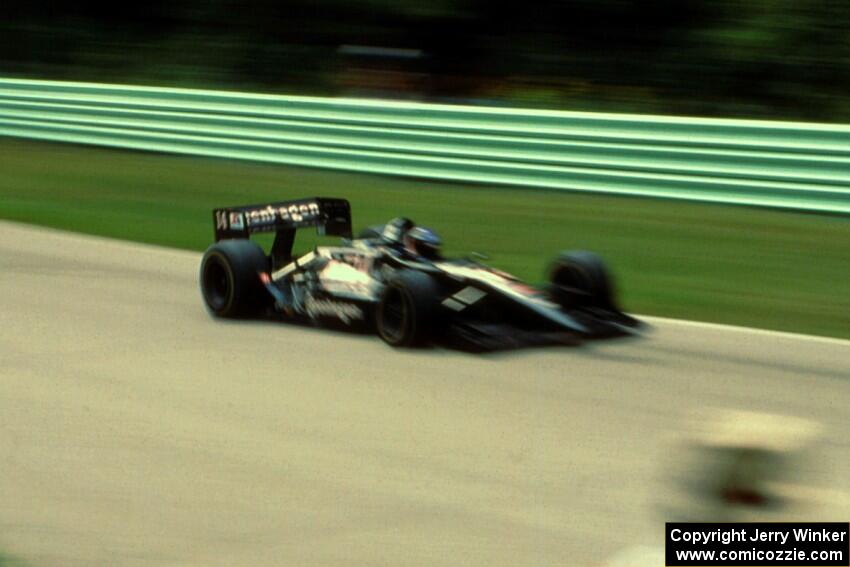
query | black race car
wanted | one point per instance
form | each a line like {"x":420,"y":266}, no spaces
{"x":409,"y":295}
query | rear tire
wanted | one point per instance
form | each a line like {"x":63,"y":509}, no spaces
{"x":229,"y":279}
{"x":407,"y":313}
{"x":580,"y":278}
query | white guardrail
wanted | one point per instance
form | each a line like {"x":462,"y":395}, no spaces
{"x":773,"y":164}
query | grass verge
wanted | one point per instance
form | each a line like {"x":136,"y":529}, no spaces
{"x":736,"y":265}
{"x":9,"y":561}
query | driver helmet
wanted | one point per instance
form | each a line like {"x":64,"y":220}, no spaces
{"x":395,"y":230}
{"x":424,"y":242}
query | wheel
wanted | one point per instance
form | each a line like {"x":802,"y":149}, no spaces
{"x":580,"y":278}
{"x":371,"y":232}
{"x":407,"y":312}
{"x":229,"y":282}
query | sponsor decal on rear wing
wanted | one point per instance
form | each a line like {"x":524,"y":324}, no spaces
{"x":331,"y":216}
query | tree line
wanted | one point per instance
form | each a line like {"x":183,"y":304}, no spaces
{"x":783,"y":59}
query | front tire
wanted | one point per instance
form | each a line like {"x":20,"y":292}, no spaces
{"x":581,"y":279}
{"x":407,"y":313}
{"x":229,"y":279}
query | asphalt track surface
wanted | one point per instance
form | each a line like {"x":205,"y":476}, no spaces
{"x":137,"y":430}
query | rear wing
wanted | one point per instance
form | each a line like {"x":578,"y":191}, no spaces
{"x":330,"y":216}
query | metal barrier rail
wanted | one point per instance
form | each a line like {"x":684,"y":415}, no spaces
{"x":774,"y":164}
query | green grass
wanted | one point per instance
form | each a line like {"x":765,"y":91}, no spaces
{"x":737,"y":265}
{"x":9,"y":561}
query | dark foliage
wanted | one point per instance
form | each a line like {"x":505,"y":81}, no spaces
{"x":786,"y":59}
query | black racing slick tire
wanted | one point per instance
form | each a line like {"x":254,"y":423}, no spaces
{"x":579,"y":279}
{"x":408,"y":310}
{"x":229,"y":278}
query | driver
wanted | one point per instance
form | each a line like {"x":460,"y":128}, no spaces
{"x":422,"y":242}
{"x":394,"y":231}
